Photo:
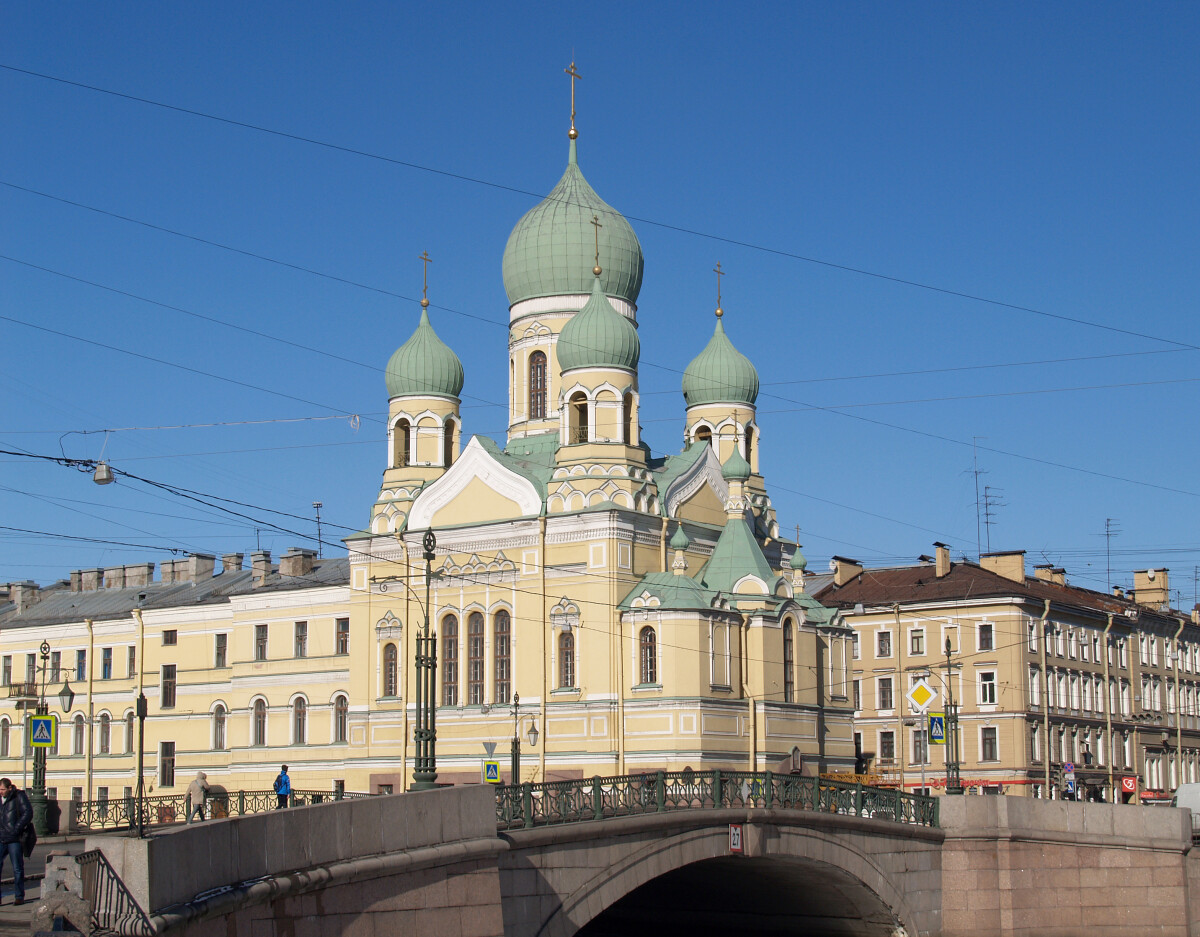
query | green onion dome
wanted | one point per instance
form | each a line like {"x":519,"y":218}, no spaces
{"x":798,"y":561}
{"x":552,"y":248}
{"x":598,"y":336}
{"x":720,"y":373}
{"x":736,"y":468}
{"x":424,"y":366}
{"x":679,"y":539}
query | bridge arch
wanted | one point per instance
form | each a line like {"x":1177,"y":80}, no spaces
{"x":818,"y":874}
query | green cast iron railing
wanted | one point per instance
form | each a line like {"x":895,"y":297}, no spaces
{"x":554,"y":802}
{"x":121,"y":813}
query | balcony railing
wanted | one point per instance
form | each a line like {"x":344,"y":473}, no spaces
{"x":23,"y":691}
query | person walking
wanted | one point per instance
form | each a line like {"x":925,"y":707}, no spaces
{"x":16,"y":815}
{"x":283,"y":788}
{"x":196,"y":793}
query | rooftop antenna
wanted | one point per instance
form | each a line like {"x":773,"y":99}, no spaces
{"x":1110,"y":530}
{"x":991,"y":500}
{"x":573,"y":133}
{"x":317,"y":505}
{"x":978,"y":515}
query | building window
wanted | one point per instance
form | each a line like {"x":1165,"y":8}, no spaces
{"x":988,"y":748}
{"x":1032,"y":631}
{"x":77,"y":735}
{"x":218,"y":727}
{"x":301,"y":643}
{"x":855,"y":650}
{"x":916,"y":641}
{"x":260,"y":642}
{"x":6,"y":674}
{"x":132,"y":661}
{"x":986,"y":638}
{"x":627,"y":419}
{"x":170,"y":638}
{"x":886,"y":700}
{"x":577,"y":416}
{"x":259,"y":736}
{"x":1035,"y":743}
{"x":789,"y":663}
{"x":166,"y":764}
{"x":106,"y":663}
{"x":55,"y":666}
{"x":857,"y":695}
{"x":402,"y":440}
{"x":537,"y":386}
{"x":129,"y":732}
{"x":887,"y":747}
{"x":341,"y":718}
{"x":883,"y":644}
{"x":31,"y":669}
{"x":221,"y":651}
{"x":168,"y":686}
{"x":341,"y":636}
{"x":80,"y":665}
{"x":648,"y":656}
{"x":390,"y":673}
{"x":475,"y":659}
{"x":566,"y":659}
{"x":502,"y":624}
{"x":920,"y":747}
{"x":720,"y":653}
{"x":4,"y":737}
{"x":105,"y":733}
{"x":448,"y":443}
{"x":383,"y":788}
{"x":987,"y":688}
{"x":299,"y":721}
{"x":449,"y":661}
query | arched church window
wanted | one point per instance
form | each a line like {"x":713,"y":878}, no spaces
{"x":402,"y":440}
{"x":578,"y":430}
{"x":566,"y":659}
{"x":300,"y":721}
{"x":390,"y":684}
{"x":503,"y":631}
{"x":704,"y":434}
{"x":341,"y":718}
{"x":720,"y":653}
{"x":475,"y":659}
{"x":789,"y":662}
{"x":627,"y":413}
{"x":260,"y":723}
{"x":750,"y":446}
{"x":448,"y":443}
{"x":537,"y":386}
{"x":648,"y":656}
{"x":449,"y":661}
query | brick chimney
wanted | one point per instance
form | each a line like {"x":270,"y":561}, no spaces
{"x":1151,"y":588}
{"x":260,"y":564}
{"x":1052,"y":574}
{"x":93,"y":579}
{"x":1010,"y":565}
{"x":232,"y":562}
{"x":24,"y":595}
{"x":200,"y":566}
{"x":845,"y":569}
{"x":139,"y":574}
{"x":76,"y":580}
{"x":114,"y":577}
{"x":297,"y":562}
{"x":942,"y":560}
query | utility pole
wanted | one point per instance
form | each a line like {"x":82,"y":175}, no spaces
{"x":1110,"y":530}
{"x":317,"y":505}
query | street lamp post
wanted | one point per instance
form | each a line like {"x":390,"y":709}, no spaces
{"x":37,"y":794}
{"x":953,"y":779}
{"x":516,"y":738}
{"x":141,"y":778}
{"x":425,"y":733}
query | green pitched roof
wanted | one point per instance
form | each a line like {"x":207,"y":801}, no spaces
{"x":736,"y":554}
{"x":424,"y":365}
{"x":673,"y":592}
{"x":720,"y":374}
{"x":551,"y":250}
{"x":598,"y":337}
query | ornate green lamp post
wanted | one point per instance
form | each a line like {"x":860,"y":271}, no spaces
{"x":425,"y":733}
{"x":953,"y":779}
{"x":516,"y":738}
{"x":37,"y":793}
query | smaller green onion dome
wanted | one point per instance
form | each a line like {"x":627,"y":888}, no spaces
{"x":798,"y":561}
{"x":598,"y":336}
{"x":736,"y":468}
{"x":720,"y":373}
{"x":424,"y":366}
{"x":679,"y":540}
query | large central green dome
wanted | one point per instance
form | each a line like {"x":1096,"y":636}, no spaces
{"x":552,"y":249}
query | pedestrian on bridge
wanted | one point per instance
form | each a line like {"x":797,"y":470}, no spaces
{"x":196,"y":793}
{"x":16,"y":818}
{"x":283,"y":788}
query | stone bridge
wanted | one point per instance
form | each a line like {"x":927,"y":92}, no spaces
{"x":433,"y":864}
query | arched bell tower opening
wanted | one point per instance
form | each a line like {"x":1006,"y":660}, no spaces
{"x":577,"y":418}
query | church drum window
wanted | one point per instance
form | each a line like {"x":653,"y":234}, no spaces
{"x":475,"y":659}
{"x":627,"y":413}
{"x":503,"y":635}
{"x":403,"y":442}
{"x":704,"y":434}
{"x":578,"y":413}
{"x":648,"y":656}
{"x":537,"y":386}
{"x":566,"y":660}
{"x":789,"y":663}
{"x":448,"y":443}
{"x":449,"y":661}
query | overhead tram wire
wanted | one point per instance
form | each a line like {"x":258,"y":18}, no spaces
{"x":461,"y":177}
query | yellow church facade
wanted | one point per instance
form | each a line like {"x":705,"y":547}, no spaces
{"x":643,"y":608}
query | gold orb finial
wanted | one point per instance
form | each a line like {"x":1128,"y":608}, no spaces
{"x":720,"y":312}
{"x":597,"y":270}
{"x":573,"y":133}
{"x":424,"y":303}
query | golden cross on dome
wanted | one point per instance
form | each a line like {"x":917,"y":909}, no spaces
{"x":427,"y":260}
{"x":720,"y":273}
{"x":573,"y":133}
{"x":597,"y":225}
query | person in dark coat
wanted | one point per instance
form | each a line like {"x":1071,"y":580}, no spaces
{"x":15,"y":815}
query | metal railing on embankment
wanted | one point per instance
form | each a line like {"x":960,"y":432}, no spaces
{"x":553,"y":802}
{"x":113,"y":909}
{"x":163,"y":809}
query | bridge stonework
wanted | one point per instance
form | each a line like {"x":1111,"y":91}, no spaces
{"x":433,"y":864}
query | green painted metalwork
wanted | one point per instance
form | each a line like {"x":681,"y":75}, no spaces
{"x":598,"y":798}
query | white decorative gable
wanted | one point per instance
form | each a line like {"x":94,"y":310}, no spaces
{"x":474,"y":463}
{"x":706,"y":470}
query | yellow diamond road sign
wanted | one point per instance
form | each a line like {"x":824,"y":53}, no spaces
{"x":921,"y":695}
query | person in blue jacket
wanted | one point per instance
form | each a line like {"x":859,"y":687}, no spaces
{"x":283,"y":788}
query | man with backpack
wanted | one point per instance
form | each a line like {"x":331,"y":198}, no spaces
{"x":283,"y":788}
{"x":16,"y":818}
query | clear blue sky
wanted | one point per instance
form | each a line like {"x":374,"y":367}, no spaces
{"x":1039,"y":155}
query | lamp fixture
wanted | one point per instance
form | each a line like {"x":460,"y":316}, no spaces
{"x":103,"y":475}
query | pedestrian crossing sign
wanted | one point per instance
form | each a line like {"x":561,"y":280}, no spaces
{"x":491,"y":771}
{"x":937,"y":728}
{"x":43,"y":731}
